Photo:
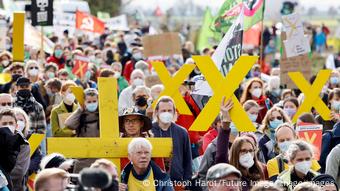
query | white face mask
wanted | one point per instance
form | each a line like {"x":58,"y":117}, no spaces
{"x":284,"y":146}
{"x":303,"y":166}
{"x":33,"y":72}
{"x":257,"y":92}
{"x":138,"y":82}
{"x":5,"y":63}
{"x":247,"y":160}
{"x":166,"y":117}
{"x":252,"y":117}
{"x":10,"y":127}
{"x":69,"y":98}
{"x":21,"y":125}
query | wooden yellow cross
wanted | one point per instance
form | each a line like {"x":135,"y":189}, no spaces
{"x":312,"y":93}
{"x":18,"y":37}
{"x":109,"y":145}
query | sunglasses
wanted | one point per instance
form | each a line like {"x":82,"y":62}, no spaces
{"x":6,"y":104}
{"x":278,"y":118}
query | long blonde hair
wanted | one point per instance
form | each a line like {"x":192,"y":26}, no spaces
{"x":19,"y":111}
{"x":265,"y":122}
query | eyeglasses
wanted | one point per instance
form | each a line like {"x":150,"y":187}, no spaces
{"x":6,"y":104}
{"x":35,"y":67}
{"x":133,"y":121}
{"x":245,"y":151}
{"x":278,"y":118}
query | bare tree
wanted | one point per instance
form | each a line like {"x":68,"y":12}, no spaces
{"x":332,"y":11}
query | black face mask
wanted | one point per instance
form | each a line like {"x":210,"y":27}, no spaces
{"x":141,"y":101}
{"x":113,"y":186}
{"x":24,"y":93}
{"x":15,"y":77}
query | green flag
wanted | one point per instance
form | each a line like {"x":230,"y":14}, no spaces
{"x":230,"y":9}
{"x":205,"y":38}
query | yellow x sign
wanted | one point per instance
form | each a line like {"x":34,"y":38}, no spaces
{"x":312,"y":98}
{"x":171,"y":84}
{"x":223,"y":86}
{"x":34,"y":142}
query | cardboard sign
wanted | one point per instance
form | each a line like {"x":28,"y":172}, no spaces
{"x":62,"y":118}
{"x":42,"y":12}
{"x":297,"y":46}
{"x":33,"y":39}
{"x":3,"y":31}
{"x":117,"y":23}
{"x":311,"y":133}
{"x":165,"y":44}
{"x":299,"y":63}
{"x":292,"y":25}
{"x":80,"y":66}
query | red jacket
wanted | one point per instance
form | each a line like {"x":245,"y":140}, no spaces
{"x":208,"y":138}
{"x":263,"y":108}
{"x":58,"y":61}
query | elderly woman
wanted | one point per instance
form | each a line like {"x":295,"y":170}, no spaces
{"x":141,"y":95}
{"x":32,"y":70}
{"x":141,"y":169}
{"x":300,"y":155}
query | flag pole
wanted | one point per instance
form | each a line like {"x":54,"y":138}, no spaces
{"x":42,"y":42}
{"x":262,"y":29}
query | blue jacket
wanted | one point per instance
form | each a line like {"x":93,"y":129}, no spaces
{"x":162,"y":178}
{"x":180,"y":169}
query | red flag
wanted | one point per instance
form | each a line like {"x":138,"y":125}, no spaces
{"x":87,"y":22}
{"x":80,"y":66}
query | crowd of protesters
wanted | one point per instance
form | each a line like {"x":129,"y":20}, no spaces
{"x":272,"y":158}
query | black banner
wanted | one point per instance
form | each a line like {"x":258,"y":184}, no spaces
{"x":42,"y":12}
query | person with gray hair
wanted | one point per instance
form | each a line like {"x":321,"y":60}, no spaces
{"x":121,"y":81}
{"x":300,"y":155}
{"x":223,"y":176}
{"x":143,"y":66}
{"x":6,"y":100}
{"x":141,"y":96}
{"x":142,"y":173}
{"x":125,"y":99}
{"x":156,"y":91}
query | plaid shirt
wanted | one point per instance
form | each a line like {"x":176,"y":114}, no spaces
{"x":36,"y":115}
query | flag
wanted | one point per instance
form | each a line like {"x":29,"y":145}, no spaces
{"x":87,"y":22}
{"x":225,"y":55}
{"x":80,"y":66}
{"x":253,"y":13}
{"x":103,"y":15}
{"x":230,"y":48}
{"x":32,"y":37}
{"x":206,"y":34}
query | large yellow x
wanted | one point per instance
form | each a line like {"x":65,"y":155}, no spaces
{"x":171,"y":84}
{"x":223,"y":86}
{"x":311,"y":93}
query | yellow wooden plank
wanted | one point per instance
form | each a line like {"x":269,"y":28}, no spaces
{"x":104,"y":148}
{"x":78,"y":92}
{"x":34,"y":141}
{"x":18,"y":36}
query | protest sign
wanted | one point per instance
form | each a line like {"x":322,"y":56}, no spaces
{"x":62,"y":118}
{"x":117,"y":23}
{"x":297,"y":63}
{"x":311,"y":133}
{"x":165,"y":44}
{"x":3,"y":31}
{"x":42,"y":12}
{"x":33,"y":39}
{"x":80,"y":66}
{"x":87,"y":22}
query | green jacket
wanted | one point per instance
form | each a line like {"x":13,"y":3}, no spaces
{"x":56,"y":130}
{"x":122,"y":84}
{"x":284,"y":179}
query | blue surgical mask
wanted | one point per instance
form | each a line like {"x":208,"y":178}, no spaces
{"x":58,"y":53}
{"x":334,"y":80}
{"x":92,"y":107}
{"x":233,"y":129}
{"x":274,"y":124}
{"x":284,"y":146}
{"x":252,"y":117}
{"x":336,"y":105}
{"x":290,"y":112}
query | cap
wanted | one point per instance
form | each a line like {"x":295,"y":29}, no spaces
{"x":222,"y":170}
{"x":23,"y":81}
{"x":324,"y":179}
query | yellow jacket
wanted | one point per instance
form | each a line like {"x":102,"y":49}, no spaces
{"x":56,"y":130}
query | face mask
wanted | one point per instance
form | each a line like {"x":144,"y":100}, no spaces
{"x":88,"y":75}
{"x":334,"y":80}
{"x":252,"y":117}
{"x":69,"y":98}
{"x":21,"y":125}
{"x":137,"y":56}
{"x":166,"y":117}
{"x":58,"y":53}
{"x":336,"y":105}
{"x":274,"y":124}
{"x":257,"y":92}
{"x":290,"y":111}
{"x":247,"y":160}
{"x":33,"y":72}
{"x":5,"y":63}
{"x":92,"y":107}
{"x":24,"y":93}
{"x":15,"y":77}
{"x":284,"y":146}
{"x":10,"y":127}
{"x":141,"y":101}
{"x":276,"y":92}
{"x":303,"y":166}
{"x":49,"y":93}
{"x":138,"y":82}
{"x":117,"y":75}
{"x":256,"y":74}
{"x":50,"y":75}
